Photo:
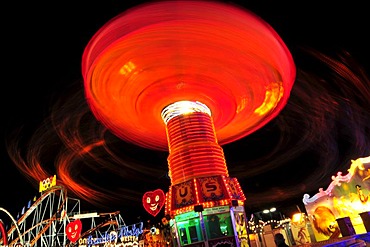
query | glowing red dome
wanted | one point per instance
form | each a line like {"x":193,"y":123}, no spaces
{"x":159,"y":53}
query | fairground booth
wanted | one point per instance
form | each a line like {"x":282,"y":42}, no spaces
{"x":208,"y":209}
{"x":343,"y":208}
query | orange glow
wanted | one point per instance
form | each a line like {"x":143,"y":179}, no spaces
{"x":233,"y":75}
{"x":194,"y":151}
{"x":273,"y":95}
{"x":298,"y":218}
{"x":149,"y":57}
{"x":196,"y":191}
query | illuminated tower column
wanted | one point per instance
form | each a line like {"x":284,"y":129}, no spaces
{"x":199,"y":178}
{"x":196,"y":161}
{"x":193,"y":147}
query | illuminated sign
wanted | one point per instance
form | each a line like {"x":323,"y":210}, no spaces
{"x":73,"y":230}
{"x":216,"y":210}
{"x":126,"y":236}
{"x":211,"y":188}
{"x":153,"y":201}
{"x":186,"y":216}
{"x":47,"y":183}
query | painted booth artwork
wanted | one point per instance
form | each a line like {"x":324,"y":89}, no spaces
{"x":345,"y":199}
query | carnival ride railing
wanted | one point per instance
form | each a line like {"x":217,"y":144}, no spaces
{"x":45,"y":221}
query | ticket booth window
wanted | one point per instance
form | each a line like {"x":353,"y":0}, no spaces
{"x":189,"y":231}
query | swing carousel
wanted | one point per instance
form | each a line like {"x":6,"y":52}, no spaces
{"x":188,"y":77}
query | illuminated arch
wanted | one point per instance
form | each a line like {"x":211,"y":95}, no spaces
{"x":15,"y":224}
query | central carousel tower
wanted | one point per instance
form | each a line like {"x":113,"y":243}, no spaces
{"x":188,"y":77}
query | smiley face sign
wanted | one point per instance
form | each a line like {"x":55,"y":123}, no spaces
{"x":153,"y":201}
{"x":73,"y":230}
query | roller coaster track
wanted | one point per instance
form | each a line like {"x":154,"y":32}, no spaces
{"x":114,"y":222}
{"x":39,"y":218}
{"x":44,"y":223}
{"x":109,"y":222}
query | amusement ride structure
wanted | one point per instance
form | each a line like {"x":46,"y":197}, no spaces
{"x":188,"y":77}
{"x":44,"y":223}
{"x":185,"y":77}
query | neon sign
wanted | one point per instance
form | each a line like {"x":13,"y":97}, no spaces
{"x":47,"y":183}
{"x":153,"y":201}
{"x":125,"y":236}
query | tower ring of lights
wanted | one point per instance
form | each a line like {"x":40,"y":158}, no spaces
{"x":156,"y":54}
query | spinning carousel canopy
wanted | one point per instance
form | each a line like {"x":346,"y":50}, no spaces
{"x":160,"y":53}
